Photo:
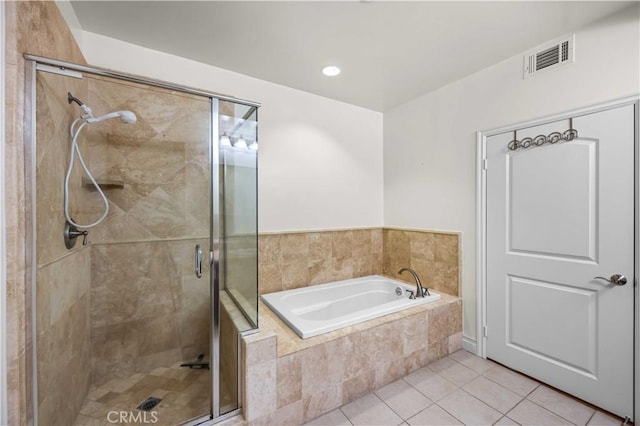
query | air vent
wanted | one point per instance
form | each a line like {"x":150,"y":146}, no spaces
{"x":549,"y":56}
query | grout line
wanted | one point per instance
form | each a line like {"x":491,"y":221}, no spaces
{"x":345,"y":415}
{"x":443,"y":409}
{"x":546,"y":409}
{"x":486,"y":403}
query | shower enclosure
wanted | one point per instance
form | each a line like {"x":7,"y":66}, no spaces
{"x":140,"y":321}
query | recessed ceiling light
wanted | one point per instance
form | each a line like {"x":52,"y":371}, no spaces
{"x":330,"y":70}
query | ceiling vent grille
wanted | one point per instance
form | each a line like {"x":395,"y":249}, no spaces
{"x":549,"y":56}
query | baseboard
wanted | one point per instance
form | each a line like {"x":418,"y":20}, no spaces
{"x":470,"y":345}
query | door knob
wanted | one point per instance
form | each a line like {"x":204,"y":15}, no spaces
{"x":616,"y":279}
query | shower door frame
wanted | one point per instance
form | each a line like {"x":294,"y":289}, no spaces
{"x":216,"y":222}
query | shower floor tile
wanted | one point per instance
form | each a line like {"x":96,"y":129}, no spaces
{"x":185,"y":394}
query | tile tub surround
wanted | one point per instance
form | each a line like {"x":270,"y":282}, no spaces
{"x":299,"y":259}
{"x":288,"y":380}
{"x":434,"y":255}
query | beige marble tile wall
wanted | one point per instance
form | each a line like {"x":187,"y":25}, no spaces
{"x":63,"y":337}
{"x":63,"y":277}
{"x":162,"y":162}
{"x":434,"y":255}
{"x":148,"y":308}
{"x":280,"y":388}
{"x":34,"y":27}
{"x":293,"y":260}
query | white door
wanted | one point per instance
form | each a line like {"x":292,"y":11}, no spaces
{"x":559,"y":215}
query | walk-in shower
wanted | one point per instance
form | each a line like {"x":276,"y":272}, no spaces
{"x":125,"y":324}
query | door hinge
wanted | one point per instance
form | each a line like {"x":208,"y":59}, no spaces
{"x":484,"y":331}
{"x":485,"y":164}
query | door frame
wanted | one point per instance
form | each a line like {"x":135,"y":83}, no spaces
{"x":481,"y":219}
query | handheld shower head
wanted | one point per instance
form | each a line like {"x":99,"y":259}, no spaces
{"x":127,"y":117}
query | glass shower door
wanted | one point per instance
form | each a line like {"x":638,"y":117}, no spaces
{"x":238,"y":149}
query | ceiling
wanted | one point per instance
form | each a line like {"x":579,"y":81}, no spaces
{"x":389,"y":52}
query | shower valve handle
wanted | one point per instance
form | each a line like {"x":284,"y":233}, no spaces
{"x":76,"y":234}
{"x":70,"y":234}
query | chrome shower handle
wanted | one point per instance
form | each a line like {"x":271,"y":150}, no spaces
{"x":616,"y":279}
{"x":198,"y":257}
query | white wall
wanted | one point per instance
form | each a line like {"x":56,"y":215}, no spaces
{"x":320,"y":160}
{"x":429,"y":143}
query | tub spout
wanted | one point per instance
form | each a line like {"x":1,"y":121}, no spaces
{"x":420,"y":290}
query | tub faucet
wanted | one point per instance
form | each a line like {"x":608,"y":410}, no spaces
{"x":420,"y":291}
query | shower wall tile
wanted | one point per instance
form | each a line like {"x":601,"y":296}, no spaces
{"x":37,"y":28}
{"x":161,"y":161}
{"x":148,"y":310}
{"x":293,"y":260}
{"x":63,"y":312}
{"x":54,"y":114}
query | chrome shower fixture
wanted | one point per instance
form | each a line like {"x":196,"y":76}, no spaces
{"x":76,"y":127}
{"x":127,"y":117}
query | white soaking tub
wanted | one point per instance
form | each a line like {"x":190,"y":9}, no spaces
{"x":319,"y":309}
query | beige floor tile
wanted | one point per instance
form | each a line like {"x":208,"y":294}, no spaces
{"x":511,"y":380}
{"x":492,"y":394}
{"x":332,"y":418}
{"x":604,"y":419}
{"x":403,"y":398}
{"x":562,"y":405}
{"x":430,"y":384}
{"x":458,"y":374}
{"x":529,"y":414}
{"x":506,"y":421}
{"x":442,"y":364}
{"x":471,"y":361}
{"x":469,"y":410}
{"x":433,"y":416}
{"x":370,"y":410}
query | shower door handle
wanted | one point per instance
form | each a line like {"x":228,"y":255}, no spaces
{"x":198,"y":256}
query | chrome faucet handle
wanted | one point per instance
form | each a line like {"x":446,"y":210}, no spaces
{"x":411,"y":294}
{"x":425,"y":292}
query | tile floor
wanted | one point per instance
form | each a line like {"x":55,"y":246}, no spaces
{"x":463,"y":389}
{"x":185,"y":394}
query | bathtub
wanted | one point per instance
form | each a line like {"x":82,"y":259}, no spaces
{"x":319,"y":309}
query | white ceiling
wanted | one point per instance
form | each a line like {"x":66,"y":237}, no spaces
{"x":389,"y":52}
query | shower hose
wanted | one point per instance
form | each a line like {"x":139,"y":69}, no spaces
{"x":75,"y":133}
